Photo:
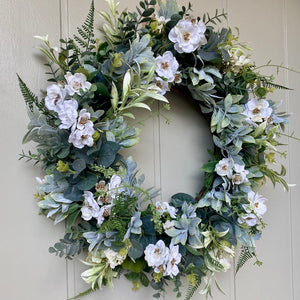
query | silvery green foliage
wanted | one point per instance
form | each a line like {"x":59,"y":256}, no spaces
{"x":187,"y":227}
{"x":99,"y":240}
{"x":56,"y":205}
{"x":120,"y":132}
{"x":167,"y":9}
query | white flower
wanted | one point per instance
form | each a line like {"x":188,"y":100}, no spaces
{"x":84,"y":119}
{"x":67,"y":113}
{"x":161,"y":19}
{"x":240,"y":175}
{"x":80,"y":138}
{"x":165,"y":207}
{"x":225,"y":263}
{"x":174,"y":260}
{"x":257,"y":203}
{"x":162,"y":85}
{"x":238,"y":59}
{"x":250,"y":219}
{"x":157,"y":255}
{"x":103,"y":213}
{"x":55,"y":97}
{"x":257,"y":110}
{"x":178,"y":77}
{"x":76,"y":82}
{"x":224,"y":167}
{"x":91,"y":208}
{"x":167,"y":66}
{"x":114,"y":258}
{"x":169,"y":225}
{"x":188,"y":36}
{"x":113,"y":185}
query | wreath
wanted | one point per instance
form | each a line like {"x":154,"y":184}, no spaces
{"x":81,"y":125}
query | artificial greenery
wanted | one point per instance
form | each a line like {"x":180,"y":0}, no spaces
{"x":81,"y":126}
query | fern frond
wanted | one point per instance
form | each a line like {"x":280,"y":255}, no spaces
{"x":269,"y":84}
{"x":86,"y":31}
{"x":245,"y":255}
{"x":30,"y":98}
{"x":192,"y":288}
{"x":113,"y":224}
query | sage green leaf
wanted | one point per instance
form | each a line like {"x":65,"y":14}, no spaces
{"x":227,"y":102}
{"x":126,"y":85}
{"x":260,"y":129}
{"x":249,"y":139}
{"x":79,"y":165}
{"x":225,"y":122}
{"x":114,"y":96}
{"x":136,"y":250}
{"x":140,"y":105}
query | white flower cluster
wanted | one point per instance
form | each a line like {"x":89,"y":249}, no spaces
{"x":188,"y":35}
{"x":167,"y":71}
{"x":255,"y":209}
{"x":114,"y":258}
{"x":238,"y":60}
{"x":165,"y":207}
{"x":235,"y":172}
{"x":163,"y":259}
{"x":102,"y":207}
{"x":59,"y":99}
{"x":257,"y":111}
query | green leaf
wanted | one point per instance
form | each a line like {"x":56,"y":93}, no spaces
{"x":102,"y":89}
{"x":148,"y":12}
{"x":126,"y":85}
{"x":144,"y":279}
{"x":227,"y":102}
{"x":260,"y":129}
{"x":73,"y":217}
{"x":209,"y":167}
{"x":140,"y":105}
{"x":249,"y":139}
{"x":78,"y":165}
{"x":88,"y":182}
{"x":136,"y":250}
{"x":193,"y":250}
{"x":136,"y":266}
{"x":132,"y":276}
{"x":107,"y":153}
{"x":261,"y":92}
{"x":114,"y":96}
{"x":225,"y":122}
{"x":179,"y":198}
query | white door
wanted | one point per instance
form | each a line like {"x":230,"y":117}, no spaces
{"x":29,"y":272}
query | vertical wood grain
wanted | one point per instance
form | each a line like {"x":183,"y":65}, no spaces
{"x":291,"y":10}
{"x":28,"y":271}
{"x":261,"y":23}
